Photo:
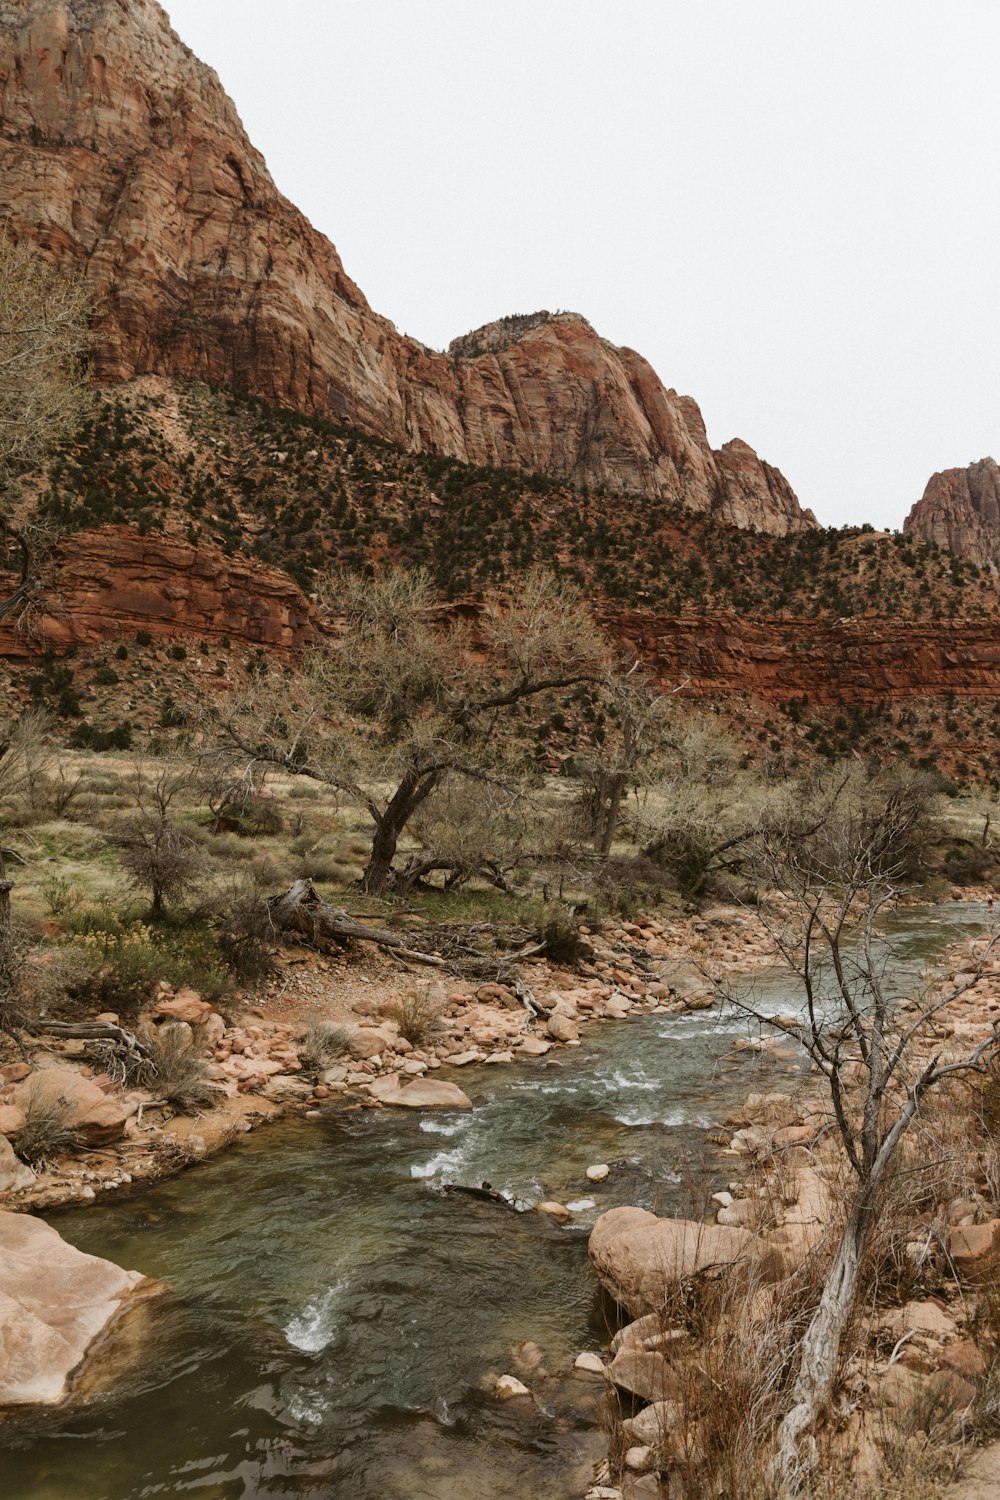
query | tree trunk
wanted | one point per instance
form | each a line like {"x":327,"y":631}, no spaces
{"x":820,"y":1352}
{"x":411,"y":792}
{"x":611,"y":815}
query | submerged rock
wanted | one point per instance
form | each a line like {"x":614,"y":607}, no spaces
{"x":55,"y":1304}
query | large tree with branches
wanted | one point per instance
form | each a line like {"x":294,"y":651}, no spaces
{"x":406,"y":694}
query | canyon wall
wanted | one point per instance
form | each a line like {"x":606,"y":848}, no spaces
{"x":122,"y":157}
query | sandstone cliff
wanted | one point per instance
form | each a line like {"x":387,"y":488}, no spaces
{"x":960,"y":510}
{"x":122,"y":156}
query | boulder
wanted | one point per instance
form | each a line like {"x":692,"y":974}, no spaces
{"x":14,"y":1175}
{"x":368,"y":1041}
{"x":55,"y":1303}
{"x":654,"y":1424}
{"x":643,"y":1372}
{"x":187,"y":1006}
{"x":12,"y":1120}
{"x":429,"y":1093}
{"x":94,"y":1119}
{"x":975,"y":1248}
{"x":638,"y":1256}
{"x":562,"y":1028}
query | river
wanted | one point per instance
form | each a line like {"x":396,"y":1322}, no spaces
{"x":336,"y":1318}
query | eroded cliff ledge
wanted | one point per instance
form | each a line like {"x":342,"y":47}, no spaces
{"x":122,"y":156}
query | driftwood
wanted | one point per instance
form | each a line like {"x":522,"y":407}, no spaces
{"x":487,"y":1194}
{"x":90,"y":1031}
{"x":301,"y":910}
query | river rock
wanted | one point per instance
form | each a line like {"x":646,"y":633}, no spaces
{"x":368,"y":1041}
{"x":589,"y":1363}
{"x":654,"y":1424}
{"x":599,"y":1172}
{"x":55,"y":1302}
{"x":643,"y":1372}
{"x":637,"y":1256}
{"x":463,"y":1059}
{"x":95,"y":1119}
{"x":508,"y":1386}
{"x":430,"y":1093}
{"x":562,"y":1028}
{"x":557,"y":1211}
{"x":14,"y":1174}
{"x":534,"y":1046}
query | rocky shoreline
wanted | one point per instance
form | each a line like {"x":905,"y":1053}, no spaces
{"x":632,"y":969}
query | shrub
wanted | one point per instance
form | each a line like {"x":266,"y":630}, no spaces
{"x":143,"y":638}
{"x":87,"y":736}
{"x":176,"y":1072}
{"x":47,"y":1132}
{"x":416,"y":1014}
{"x":561,"y":935}
{"x":322,"y":1042}
{"x":245,"y":934}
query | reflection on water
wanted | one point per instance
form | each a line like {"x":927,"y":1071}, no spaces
{"x":337,"y":1316}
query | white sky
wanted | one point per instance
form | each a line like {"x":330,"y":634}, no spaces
{"x":790,"y":207}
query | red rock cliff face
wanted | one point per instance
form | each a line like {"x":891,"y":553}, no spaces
{"x":960,"y":510}
{"x":832,"y":661}
{"x":110,"y":582}
{"x":122,"y":156}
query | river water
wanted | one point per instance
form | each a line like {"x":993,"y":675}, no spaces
{"x":336,"y":1318}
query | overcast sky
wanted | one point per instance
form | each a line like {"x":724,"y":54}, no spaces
{"x":790,"y":207}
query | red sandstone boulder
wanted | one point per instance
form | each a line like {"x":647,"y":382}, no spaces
{"x":93,"y":1117}
{"x":55,"y":1302}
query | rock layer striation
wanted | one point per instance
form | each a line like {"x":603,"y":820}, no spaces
{"x":122,"y":157}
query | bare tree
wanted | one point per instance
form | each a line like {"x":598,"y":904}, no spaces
{"x":834,"y":863}
{"x":702,"y":812}
{"x":156,"y":853}
{"x":408,"y":693}
{"x":43,"y":337}
{"x":632,"y":755}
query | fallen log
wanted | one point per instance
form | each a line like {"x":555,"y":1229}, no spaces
{"x":300,"y":909}
{"x":90,"y":1031}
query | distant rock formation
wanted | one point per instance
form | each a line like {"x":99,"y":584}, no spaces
{"x":960,"y":510}
{"x":122,"y":156}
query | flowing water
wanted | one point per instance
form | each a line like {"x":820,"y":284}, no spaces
{"x":336,"y":1316}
